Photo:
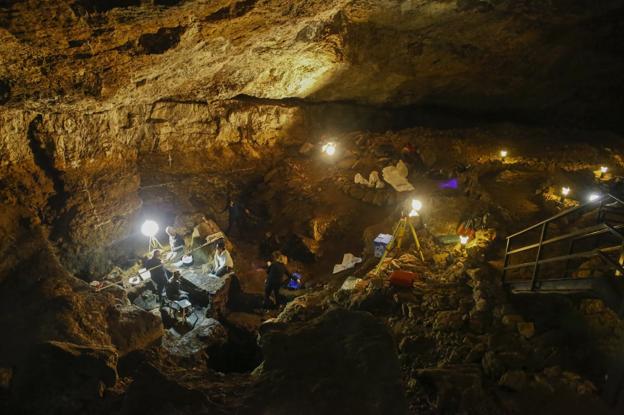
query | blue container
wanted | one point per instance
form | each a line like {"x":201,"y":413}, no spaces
{"x":380,"y":243}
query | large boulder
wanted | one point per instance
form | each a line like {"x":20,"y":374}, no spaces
{"x":63,"y":378}
{"x":340,"y":362}
{"x":131,"y":328}
{"x":207,"y":333}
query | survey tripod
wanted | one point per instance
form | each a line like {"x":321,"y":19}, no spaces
{"x":154,"y":244}
{"x":397,"y":238}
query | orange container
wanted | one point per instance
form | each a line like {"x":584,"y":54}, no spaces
{"x":400,"y":278}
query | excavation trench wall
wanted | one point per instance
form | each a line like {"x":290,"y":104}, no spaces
{"x":86,"y":175}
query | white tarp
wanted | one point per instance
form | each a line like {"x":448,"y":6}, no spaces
{"x":396,"y":176}
{"x":373,"y":180}
{"x":350,"y":283}
{"x":348,"y":261}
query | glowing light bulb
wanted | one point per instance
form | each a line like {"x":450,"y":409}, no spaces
{"x":149,"y":228}
{"x":503,"y":153}
{"x":416,"y":205}
{"x":565,"y":191}
{"x":463,"y":239}
{"x":329,"y":149}
{"x":604,"y":169}
{"x":594,"y":196}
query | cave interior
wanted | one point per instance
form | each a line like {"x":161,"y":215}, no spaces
{"x":441,"y":181}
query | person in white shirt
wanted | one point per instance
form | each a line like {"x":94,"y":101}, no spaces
{"x":222,"y":260}
{"x":176,"y":244}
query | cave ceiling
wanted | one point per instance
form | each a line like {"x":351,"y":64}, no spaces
{"x":561,"y":57}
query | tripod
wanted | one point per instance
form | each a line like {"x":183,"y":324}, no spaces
{"x":397,"y":239}
{"x":153,"y":244}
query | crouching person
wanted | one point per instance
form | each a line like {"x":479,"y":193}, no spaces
{"x":277,"y":273}
{"x":173,"y":289}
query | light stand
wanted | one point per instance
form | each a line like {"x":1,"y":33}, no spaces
{"x":399,"y":232}
{"x":153,"y":244}
{"x":150,"y":229}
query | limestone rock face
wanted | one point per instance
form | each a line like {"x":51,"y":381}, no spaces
{"x":353,"y":347}
{"x":467,"y":54}
{"x":93,"y":94}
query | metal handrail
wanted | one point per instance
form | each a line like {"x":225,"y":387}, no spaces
{"x":574,"y":236}
{"x":565,"y":213}
{"x":585,"y":254}
{"x":581,"y":233}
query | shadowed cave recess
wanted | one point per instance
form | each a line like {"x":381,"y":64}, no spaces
{"x":301,"y":132}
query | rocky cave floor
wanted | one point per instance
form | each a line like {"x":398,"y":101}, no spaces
{"x":454,"y":343}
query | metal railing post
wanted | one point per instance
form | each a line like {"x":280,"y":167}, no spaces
{"x":567,"y":265}
{"x":600,"y":218}
{"x":539,"y":256}
{"x":506,"y":262}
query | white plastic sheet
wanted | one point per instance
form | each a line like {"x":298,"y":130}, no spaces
{"x":396,"y":176}
{"x":373,"y":180}
{"x":348,"y":261}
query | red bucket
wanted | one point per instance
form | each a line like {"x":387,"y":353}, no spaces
{"x":400,"y":278}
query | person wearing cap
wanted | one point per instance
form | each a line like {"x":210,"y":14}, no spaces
{"x":223,"y":263}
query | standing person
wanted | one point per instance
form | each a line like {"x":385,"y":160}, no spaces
{"x":276,"y":274}
{"x":235,"y":217}
{"x":158,"y":273}
{"x":222,"y":260}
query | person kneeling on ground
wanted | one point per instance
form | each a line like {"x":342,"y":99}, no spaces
{"x":222,"y":260}
{"x":276,"y":274}
{"x":158,"y":273}
{"x":176,"y":242}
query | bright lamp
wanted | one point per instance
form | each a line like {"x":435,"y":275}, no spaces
{"x":149,"y":228}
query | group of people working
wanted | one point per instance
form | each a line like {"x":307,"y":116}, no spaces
{"x":222,"y":264}
{"x":169,"y":282}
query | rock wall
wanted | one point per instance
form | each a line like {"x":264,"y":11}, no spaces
{"x":551,"y":61}
{"x":65,"y":338}
{"x":89,"y":90}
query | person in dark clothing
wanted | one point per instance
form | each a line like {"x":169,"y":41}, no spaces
{"x":276,"y":274}
{"x":173,"y":290}
{"x":270,"y":244}
{"x":235,"y":217}
{"x":158,"y":273}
